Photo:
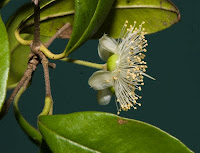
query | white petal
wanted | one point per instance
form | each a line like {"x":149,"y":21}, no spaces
{"x":101,"y":80}
{"x":107,"y":46}
{"x":104,"y":96}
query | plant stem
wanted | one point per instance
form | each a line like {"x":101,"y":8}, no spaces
{"x":48,"y":103}
{"x":30,"y":131}
{"x":85,"y":63}
{"x":47,"y":106}
{"x":21,"y":40}
{"x":51,"y":55}
{"x":60,"y":31}
{"x":36,"y":41}
{"x":32,"y":65}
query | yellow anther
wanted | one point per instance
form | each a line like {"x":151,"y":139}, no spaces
{"x":114,"y":78}
{"x":131,"y":64}
{"x":131,"y":48}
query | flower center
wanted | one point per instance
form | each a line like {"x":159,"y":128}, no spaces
{"x":112,"y":62}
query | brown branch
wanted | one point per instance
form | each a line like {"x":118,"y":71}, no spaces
{"x":45,"y":64}
{"x":32,"y":65}
{"x":47,"y":44}
{"x":52,"y":65}
{"x":36,"y":41}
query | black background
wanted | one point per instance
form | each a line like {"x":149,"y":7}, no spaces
{"x":171,"y":102}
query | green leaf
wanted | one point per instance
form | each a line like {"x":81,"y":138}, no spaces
{"x":89,"y":16}
{"x":107,"y":133}
{"x":4,"y":62}
{"x":3,"y":3}
{"x":19,"y":53}
{"x":157,"y":14}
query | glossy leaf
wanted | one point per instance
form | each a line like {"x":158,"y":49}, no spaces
{"x":157,"y":14}
{"x":4,"y":62}
{"x":19,"y":53}
{"x":107,"y":133}
{"x":89,"y":16}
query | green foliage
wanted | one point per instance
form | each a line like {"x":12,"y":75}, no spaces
{"x":4,"y":62}
{"x":157,"y":14}
{"x":89,"y":16}
{"x":103,"y":132}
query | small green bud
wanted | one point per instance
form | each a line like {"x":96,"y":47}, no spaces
{"x":112,"y":62}
{"x":112,"y":89}
{"x":111,"y":66}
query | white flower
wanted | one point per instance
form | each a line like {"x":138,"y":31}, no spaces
{"x":125,"y":68}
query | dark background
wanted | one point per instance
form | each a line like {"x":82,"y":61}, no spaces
{"x":171,"y":102}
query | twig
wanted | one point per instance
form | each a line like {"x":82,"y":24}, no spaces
{"x":45,"y":64}
{"x":36,"y":41}
{"x":52,"y":65}
{"x":32,"y":65}
{"x":35,"y":47}
{"x":47,"y":44}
